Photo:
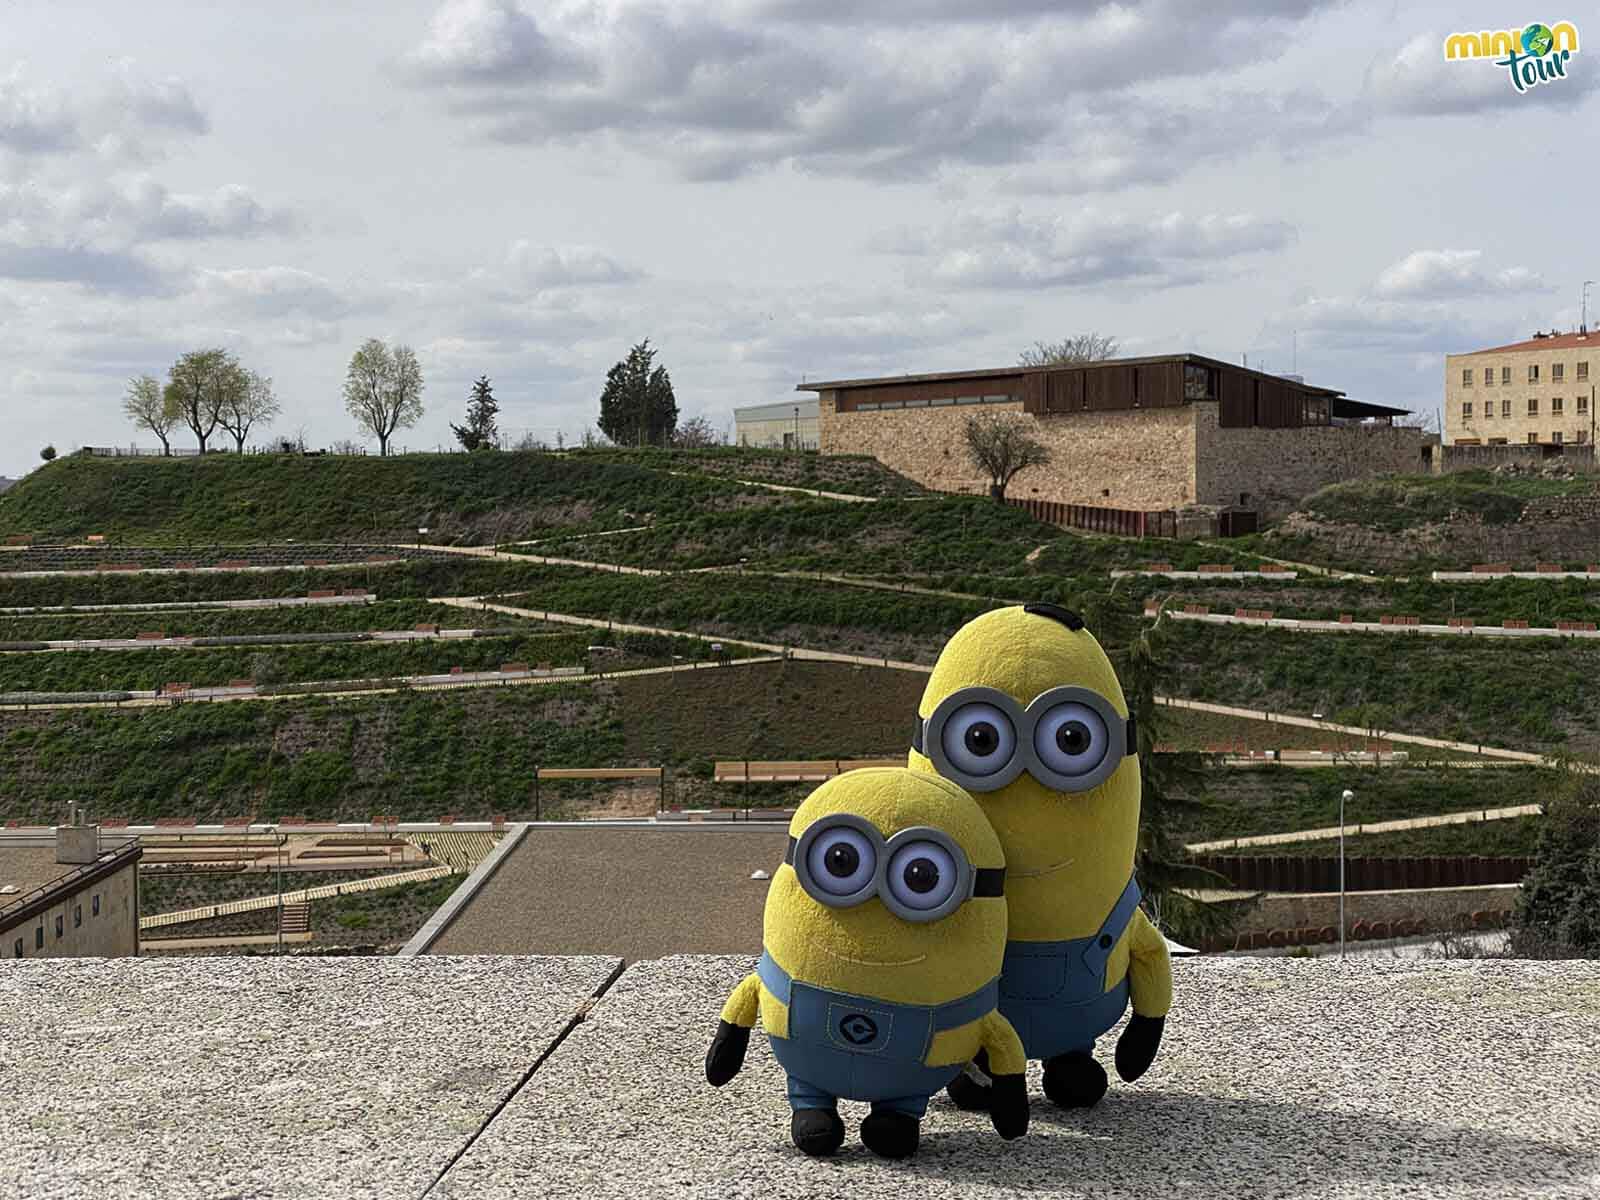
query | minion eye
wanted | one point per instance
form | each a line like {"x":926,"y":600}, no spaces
{"x":842,"y":861}
{"x":922,"y":876}
{"x":978,"y":739}
{"x":1071,"y":739}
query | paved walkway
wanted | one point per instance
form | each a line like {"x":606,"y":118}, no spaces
{"x":156,"y":945}
{"x":1308,"y":625}
{"x":303,"y":895}
{"x":1350,"y":830}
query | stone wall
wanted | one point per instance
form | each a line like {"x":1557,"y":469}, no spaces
{"x":1135,"y":460}
{"x":1276,"y":468}
{"x":1449,"y":459}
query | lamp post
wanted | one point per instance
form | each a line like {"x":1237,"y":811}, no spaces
{"x":1344,"y":798}
{"x":797,"y":427}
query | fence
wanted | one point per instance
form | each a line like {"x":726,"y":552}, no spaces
{"x":1124,"y":522}
{"x":140,"y":452}
{"x":1283,"y":873}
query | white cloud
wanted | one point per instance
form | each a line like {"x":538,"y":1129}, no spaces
{"x":272,"y":292}
{"x":564,"y":266}
{"x":1439,"y":274}
{"x":718,"y":91}
{"x":1006,"y":249}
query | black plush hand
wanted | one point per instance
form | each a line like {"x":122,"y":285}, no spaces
{"x":1136,"y":1048}
{"x":1008,"y":1105}
{"x":726,"y":1055}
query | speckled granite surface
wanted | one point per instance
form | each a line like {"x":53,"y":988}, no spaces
{"x":367,"y":1077}
{"x":1282,"y":1078}
{"x":255,"y":1077}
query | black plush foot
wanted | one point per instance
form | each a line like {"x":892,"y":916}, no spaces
{"x":968,"y":1094}
{"x":817,"y":1131}
{"x":890,"y":1134}
{"x":1074,"y":1080}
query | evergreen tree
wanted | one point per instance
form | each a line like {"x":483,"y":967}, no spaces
{"x":1172,"y":783}
{"x":480,"y":432}
{"x":1558,"y":910}
{"x":637,"y":407}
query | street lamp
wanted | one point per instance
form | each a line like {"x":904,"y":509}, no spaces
{"x":1344,"y":798}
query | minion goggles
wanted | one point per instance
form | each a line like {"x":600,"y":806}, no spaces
{"x":920,"y":873}
{"x":1069,"y":738}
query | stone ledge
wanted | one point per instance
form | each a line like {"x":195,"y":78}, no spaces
{"x":1279,"y":1078}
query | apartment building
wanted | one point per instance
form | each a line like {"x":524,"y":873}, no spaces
{"x":1537,"y":392}
{"x":69,"y":893}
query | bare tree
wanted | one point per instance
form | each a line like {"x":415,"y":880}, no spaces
{"x":198,"y":384}
{"x":150,"y":408}
{"x":383,"y":389}
{"x":247,"y":400}
{"x":694,"y":434}
{"x":1000,"y":445}
{"x":1085,"y":347}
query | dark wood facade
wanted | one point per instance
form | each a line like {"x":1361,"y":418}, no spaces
{"x":1245,"y":398}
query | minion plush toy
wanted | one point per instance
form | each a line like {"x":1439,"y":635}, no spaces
{"x":1024,"y":711}
{"x":882,"y":939}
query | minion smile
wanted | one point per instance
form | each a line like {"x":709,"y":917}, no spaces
{"x":1038,"y":871}
{"x":869,"y":962}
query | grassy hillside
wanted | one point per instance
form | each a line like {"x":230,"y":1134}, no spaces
{"x":848,"y":474}
{"x":465,"y":498}
{"x":897,"y":537}
{"x":1534,"y":694}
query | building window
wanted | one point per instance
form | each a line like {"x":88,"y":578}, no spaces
{"x":1533,"y":372}
{"x":16,"y":948}
{"x":38,"y":938}
{"x":1583,"y":371}
{"x":1533,"y":406}
{"x":1533,"y":439}
{"x":1466,"y":377}
{"x":1555,"y":438}
{"x":1556,"y":405}
{"x":1488,"y":410}
{"x":1505,"y":374}
{"x":61,"y":928}
{"x":941,"y":401}
{"x":1466,"y":410}
{"x":1583,"y":436}
{"x":1488,"y":377}
{"x":1497,"y":441}
{"x":1505,"y":407}
{"x":77,"y":916}
{"x":1558,"y":372}
{"x":867,"y":406}
{"x":969,"y":399}
{"x":1583,"y":406}
{"x":94,"y":909}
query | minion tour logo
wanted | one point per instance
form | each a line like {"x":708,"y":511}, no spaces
{"x":1533,"y":55}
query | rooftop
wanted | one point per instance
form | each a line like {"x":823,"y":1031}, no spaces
{"x":481,"y":1078}
{"x":1547,"y":341}
{"x":1007,"y":372}
{"x":633,"y":891}
{"x":28,"y":866}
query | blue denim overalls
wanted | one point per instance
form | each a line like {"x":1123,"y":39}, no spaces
{"x":855,"y":1048}
{"x":1054,"y":993}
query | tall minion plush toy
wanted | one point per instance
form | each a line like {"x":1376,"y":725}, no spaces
{"x":878,"y":979}
{"x":1024,"y":711}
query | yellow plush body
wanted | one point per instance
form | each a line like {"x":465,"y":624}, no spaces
{"x":1069,"y":855}
{"x":867,"y":950}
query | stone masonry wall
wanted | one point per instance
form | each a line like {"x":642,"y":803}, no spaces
{"x":1136,"y":460}
{"x":1277,"y":468}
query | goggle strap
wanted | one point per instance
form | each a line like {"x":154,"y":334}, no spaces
{"x":989,"y":881}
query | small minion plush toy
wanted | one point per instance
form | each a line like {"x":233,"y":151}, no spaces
{"x":881,"y":949}
{"x":1024,"y":711}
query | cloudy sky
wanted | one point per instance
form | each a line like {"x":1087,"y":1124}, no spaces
{"x":768,"y":190}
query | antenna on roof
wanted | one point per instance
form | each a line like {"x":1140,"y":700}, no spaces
{"x":1583,"y":327}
